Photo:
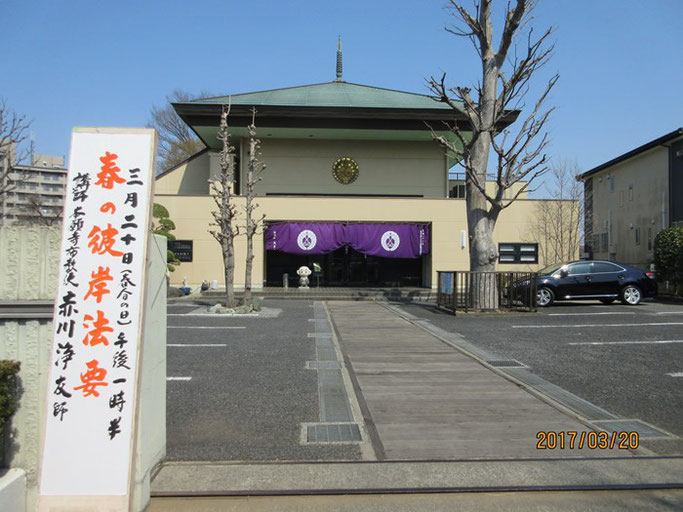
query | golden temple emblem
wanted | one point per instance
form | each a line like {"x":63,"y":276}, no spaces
{"x":345,"y":170}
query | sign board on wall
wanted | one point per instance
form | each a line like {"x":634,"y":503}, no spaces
{"x":182,"y":249}
{"x":92,"y":386}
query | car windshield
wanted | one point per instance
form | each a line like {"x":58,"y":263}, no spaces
{"x":550,"y":269}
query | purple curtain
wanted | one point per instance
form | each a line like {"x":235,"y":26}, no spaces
{"x":385,"y":240}
{"x":305,"y":238}
{"x":389,"y":240}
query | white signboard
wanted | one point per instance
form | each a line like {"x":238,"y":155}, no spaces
{"x":98,"y":314}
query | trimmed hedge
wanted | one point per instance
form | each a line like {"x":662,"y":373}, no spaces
{"x":669,"y":254}
{"x":8,"y":386}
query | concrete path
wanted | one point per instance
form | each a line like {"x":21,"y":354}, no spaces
{"x":207,"y":479}
{"x":535,"y":501}
{"x":423,"y":399}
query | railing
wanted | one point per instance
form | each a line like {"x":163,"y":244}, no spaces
{"x":486,"y":291}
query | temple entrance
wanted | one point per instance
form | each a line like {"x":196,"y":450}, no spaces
{"x":349,"y":254}
{"x":345,"y":267}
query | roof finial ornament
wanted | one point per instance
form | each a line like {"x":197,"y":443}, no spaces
{"x":339,"y":60}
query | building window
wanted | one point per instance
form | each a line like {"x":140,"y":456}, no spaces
{"x":630,"y":192}
{"x":637,"y":236}
{"x":600,"y":242}
{"x":611,"y":180}
{"x":517,"y":253}
{"x":457,"y":192}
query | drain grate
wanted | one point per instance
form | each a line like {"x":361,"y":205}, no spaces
{"x":333,"y":433}
{"x":644,"y":430}
{"x":506,"y":363}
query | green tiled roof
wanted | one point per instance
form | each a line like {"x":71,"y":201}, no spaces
{"x":332,"y":94}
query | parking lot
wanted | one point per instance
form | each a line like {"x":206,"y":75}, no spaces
{"x":627,"y":360}
{"x":242,"y":388}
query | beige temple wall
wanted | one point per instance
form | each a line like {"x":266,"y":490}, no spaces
{"x":386,"y":167}
{"x":189,"y":178}
{"x":192,"y":215}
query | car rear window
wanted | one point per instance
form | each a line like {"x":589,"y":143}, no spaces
{"x":603,"y":266}
{"x":579,"y":268}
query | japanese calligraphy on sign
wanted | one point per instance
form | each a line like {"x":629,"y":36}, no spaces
{"x":98,"y":313}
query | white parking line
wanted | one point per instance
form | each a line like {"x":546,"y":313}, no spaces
{"x":677,"y":374}
{"x":589,"y":314}
{"x":650,"y":342}
{"x":206,"y":327}
{"x":179,"y":378}
{"x":565,"y":326}
{"x":669,"y":313}
{"x":196,"y":345}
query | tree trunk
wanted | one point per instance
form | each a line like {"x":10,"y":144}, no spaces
{"x":250,"y":251}
{"x":229,"y":265}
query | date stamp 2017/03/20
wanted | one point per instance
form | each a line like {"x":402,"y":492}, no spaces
{"x":572,"y":439}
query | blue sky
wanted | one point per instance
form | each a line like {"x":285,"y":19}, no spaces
{"x":104,"y":63}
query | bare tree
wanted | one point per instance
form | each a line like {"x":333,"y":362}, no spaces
{"x":14,"y":130}
{"x":491,"y":105}
{"x":557,"y":223}
{"x":177,"y":142}
{"x":224,"y":218}
{"x":254,"y":169}
{"x":44,"y":215}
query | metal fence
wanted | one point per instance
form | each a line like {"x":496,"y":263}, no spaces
{"x":486,"y":291}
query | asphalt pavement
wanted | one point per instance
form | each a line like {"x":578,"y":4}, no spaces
{"x":627,"y":360}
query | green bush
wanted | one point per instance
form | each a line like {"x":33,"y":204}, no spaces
{"x":669,"y":254}
{"x":8,"y":387}
{"x":163,"y":225}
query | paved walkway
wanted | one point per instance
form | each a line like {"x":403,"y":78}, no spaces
{"x":423,"y":399}
{"x":534,"y":501}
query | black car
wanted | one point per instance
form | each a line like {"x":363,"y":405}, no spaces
{"x":596,"y":279}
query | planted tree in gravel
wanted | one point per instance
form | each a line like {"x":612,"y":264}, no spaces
{"x":493,"y":103}
{"x":226,"y":228}
{"x":255,"y":168}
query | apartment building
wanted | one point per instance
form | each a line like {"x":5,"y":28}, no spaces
{"x":631,"y":198}
{"x":36,"y":193}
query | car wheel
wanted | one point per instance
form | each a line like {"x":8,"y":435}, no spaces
{"x":545,"y":297}
{"x":631,"y":295}
{"x":607,"y":301}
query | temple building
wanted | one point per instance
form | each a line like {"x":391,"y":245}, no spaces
{"x":354,"y":183}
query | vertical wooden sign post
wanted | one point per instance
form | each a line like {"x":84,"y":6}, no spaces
{"x":92,"y":392}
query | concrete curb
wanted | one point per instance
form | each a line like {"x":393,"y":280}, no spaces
{"x":211,"y":479}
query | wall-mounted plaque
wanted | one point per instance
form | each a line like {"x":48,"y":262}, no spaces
{"x":182,"y":249}
{"x":345,"y":170}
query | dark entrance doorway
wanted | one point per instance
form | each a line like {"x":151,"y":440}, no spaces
{"x":345,"y":267}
